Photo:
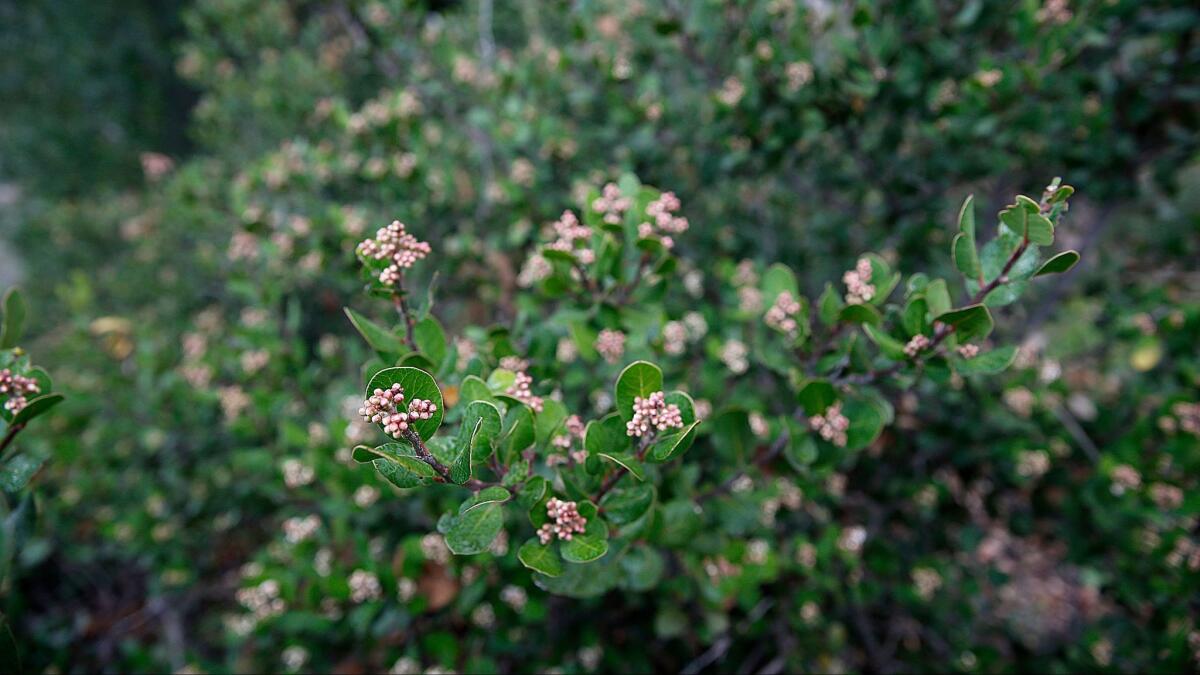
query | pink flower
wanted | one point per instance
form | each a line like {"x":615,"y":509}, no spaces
{"x":611,"y":345}
{"x":858,"y":288}
{"x":520,"y":390}
{"x":653,"y":413}
{"x":566,"y":521}
{"x":664,"y":222}
{"x":383,"y":407}
{"x":395,"y":245}
{"x":968,"y":351}
{"x":832,"y":425}
{"x":611,"y":203}
{"x":570,"y":233}
{"x":17,"y":388}
{"x":782,"y":315}
{"x":916,"y":345}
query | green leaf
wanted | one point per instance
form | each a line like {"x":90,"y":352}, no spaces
{"x":475,"y":389}
{"x":986,"y":363}
{"x":547,"y":422}
{"x":398,"y":463}
{"x":489,"y":495}
{"x":817,"y":396}
{"x":474,"y":529}
{"x":937,"y":296}
{"x":966,"y":256}
{"x":970,"y":323}
{"x":591,"y":545}
{"x":1058,"y":264}
{"x":639,"y":378}
{"x":461,"y":467}
{"x":994,"y":258}
{"x":416,"y":384}
{"x":682,"y":520}
{"x":583,"y":581}
{"x":801,"y":451}
{"x":890,"y":346}
{"x":532,"y":492}
{"x":1023,"y":218}
{"x":966,"y":217}
{"x":628,"y":461}
{"x":625,"y":505}
{"x":561,"y":256}
{"x":378,"y":338}
{"x":36,"y":407}
{"x":490,"y":426}
{"x":14,"y":318}
{"x":606,"y":435}
{"x":866,"y":422}
{"x":670,"y":446}
{"x":518,"y":432}
{"x":858,"y":314}
{"x":500,"y":380}
{"x":584,"y":337}
{"x":16,"y":473}
{"x":417,"y":360}
{"x":777,"y":279}
{"x":915,"y":316}
{"x":431,"y":340}
{"x":643,"y":567}
{"x":540,"y":557}
{"x":1040,"y":230}
{"x":687,"y":407}
{"x":829,"y":305}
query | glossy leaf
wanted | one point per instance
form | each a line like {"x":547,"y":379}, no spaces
{"x":1060,"y":263}
{"x":639,"y":378}
{"x":970,"y":323}
{"x":416,"y":384}
{"x":14,"y":318}
{"x":377,"y":337}
{"x":540,"y":557}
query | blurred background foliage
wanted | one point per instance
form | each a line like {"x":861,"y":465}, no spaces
{"x":184,"y":183}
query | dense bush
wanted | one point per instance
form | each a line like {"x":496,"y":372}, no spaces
{"x":204,"y":506}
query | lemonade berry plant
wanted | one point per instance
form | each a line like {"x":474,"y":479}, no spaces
{"x":589,"y":496}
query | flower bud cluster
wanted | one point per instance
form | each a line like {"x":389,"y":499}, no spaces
{"x":520,"y":390}
{"x":535,"y":269}
{"x":968,"y":351}
{"x":675,"y":337}
{"x":262,"y":600}
{"x":566,"y":521}
{"x":574,"y":430}
{"x":858,"y":287}
{"x":570,"y":231}
{"x":384,"y":407}
{"x":653,"y":413}
{"x":1189,"y":416}
{"x":364,"y":586}
{"x":832,"y":425}
{"x":18,"y":388}
{"x":397,"y":246}
{"x":611,"y":203}
{"x":611,"y":345}
{"x":782,"y":315}
{"x":916,"y":345}
{"x":665,"y":222}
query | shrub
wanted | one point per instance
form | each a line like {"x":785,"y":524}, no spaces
{"x":204,"y":506}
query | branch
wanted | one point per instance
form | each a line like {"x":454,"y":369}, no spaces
{"x":611,"y":481}
{"x":402,"y":308}
{"x":8,"y":438}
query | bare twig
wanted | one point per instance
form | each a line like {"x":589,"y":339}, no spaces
{"x":9,"y":436}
